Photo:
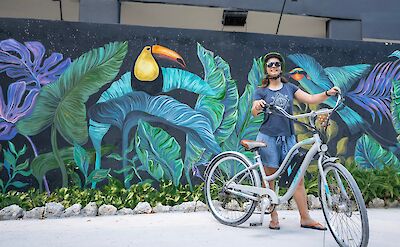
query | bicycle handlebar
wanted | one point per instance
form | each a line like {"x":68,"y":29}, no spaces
{"x":323,"y":111}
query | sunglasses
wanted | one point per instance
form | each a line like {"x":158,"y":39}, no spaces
{"x":271,"y":64}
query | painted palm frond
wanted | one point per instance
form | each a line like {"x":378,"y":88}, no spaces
{"x":370,"y":154}
{"x":125,"y":112}
{"x":229,"y":118}
{"x":157,"y":149}
{"x":396,"y":53}
{"x":181,"y":79}
{"x":210,"y":106}
{"x":98,"y":130}
{"x":255,"y":77}
{"x":395,"y":106}
{"x":345,"y":77}
{"x":61,"y":104}
{"x":230,"y":103}
{"x":373,"y":92}
{"x":247,"y":126}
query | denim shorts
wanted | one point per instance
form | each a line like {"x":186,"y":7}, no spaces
{"x":277,"y":147}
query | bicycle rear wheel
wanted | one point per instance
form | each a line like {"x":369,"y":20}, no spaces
{"x":346,"y":215}
{"x":226,"y":207}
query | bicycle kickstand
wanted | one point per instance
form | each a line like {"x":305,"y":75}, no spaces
{"x":263,"y":206}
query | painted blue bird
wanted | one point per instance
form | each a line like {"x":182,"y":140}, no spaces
{"x":315,"y":79}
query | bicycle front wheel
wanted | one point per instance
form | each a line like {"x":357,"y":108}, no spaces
{"x":228,"y":208}
{"x":345,"y":212}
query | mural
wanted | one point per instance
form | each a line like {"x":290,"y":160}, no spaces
{"x":145,"y":114}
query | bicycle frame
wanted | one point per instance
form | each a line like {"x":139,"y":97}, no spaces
{"x":246,"y":191}
{"x":249,"y":191}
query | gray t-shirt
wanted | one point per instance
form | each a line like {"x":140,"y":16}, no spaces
{"x":276,"y":125}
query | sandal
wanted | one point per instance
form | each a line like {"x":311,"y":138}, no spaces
{"x":276,"y":227}
{"x":315,"y":226}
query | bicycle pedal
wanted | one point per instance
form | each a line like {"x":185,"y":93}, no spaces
{"x":256,"y":224}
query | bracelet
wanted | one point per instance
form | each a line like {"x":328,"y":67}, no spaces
{"x":326,"y":93}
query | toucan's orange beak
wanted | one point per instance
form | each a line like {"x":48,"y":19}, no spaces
{"x":169,"y":54}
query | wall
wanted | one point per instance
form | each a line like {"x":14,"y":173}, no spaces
{"x":71,"y":118}
{"x":194,"y":17}
{"x":40,"y":9}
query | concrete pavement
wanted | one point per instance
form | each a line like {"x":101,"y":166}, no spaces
{"x":184,"y":229}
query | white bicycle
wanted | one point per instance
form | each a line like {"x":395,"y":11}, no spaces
{"x":233,"y":186}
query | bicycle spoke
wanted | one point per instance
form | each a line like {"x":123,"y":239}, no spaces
{"x":344,"y":216}
{"x":227,"y":207}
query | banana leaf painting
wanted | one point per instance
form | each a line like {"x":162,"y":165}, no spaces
{"x":369,"y":154}
{"x":126,"y":111}
{"x":61,"y":105}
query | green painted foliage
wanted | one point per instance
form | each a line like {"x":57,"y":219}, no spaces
{"x":159,"y":153}
{"x":220,"y":109}
{"x":246,"y":126}
{"x":62,"y":103}
{"x":230,"y":103}
{"x":12,"y":168}
{"x":395,"y":106}
{"x":370,"y":154}
{"x":47,"y":162}
{"x":211,"y":106}
{"x":98,"y":175}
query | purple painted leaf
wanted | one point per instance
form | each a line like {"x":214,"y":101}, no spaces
{"x":16,"y":108}
{"x":7,"y":131}
{"x":373,"y":92}
{"x":25,"y":62}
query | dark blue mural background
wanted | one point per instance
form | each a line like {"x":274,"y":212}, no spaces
{"x":237,"y":49}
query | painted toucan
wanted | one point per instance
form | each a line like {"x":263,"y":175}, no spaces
{"x":148,"y":76}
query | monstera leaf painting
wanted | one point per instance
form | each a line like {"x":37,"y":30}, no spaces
{"x":159,"y":153}
{"x":370,"y":154}
{"x":126,"y":111}
{"x":15,"y":108}
{"x":25,"y":62}
{"x":61,"y":105}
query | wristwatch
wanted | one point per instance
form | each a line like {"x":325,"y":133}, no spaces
{"x":326,"y":93}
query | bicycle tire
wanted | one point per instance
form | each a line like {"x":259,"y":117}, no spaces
{"x":214,"y":165}
{"x":340,"y":203}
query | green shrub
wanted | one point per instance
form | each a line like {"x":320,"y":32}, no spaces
{"x":377,"y":183}
{"x":384,"y":184}
{"x":373,"y":183}
{"x":113,"y":193}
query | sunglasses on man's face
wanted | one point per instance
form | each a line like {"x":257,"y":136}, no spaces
{"x":271,"y":64}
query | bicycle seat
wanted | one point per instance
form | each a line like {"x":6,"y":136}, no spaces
{"x":251,"y":145}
